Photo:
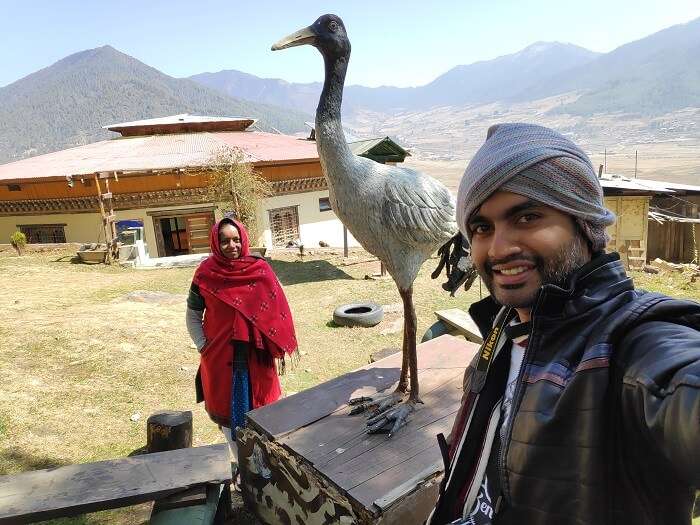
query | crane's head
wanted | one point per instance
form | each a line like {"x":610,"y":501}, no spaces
{"x":327,"y":34}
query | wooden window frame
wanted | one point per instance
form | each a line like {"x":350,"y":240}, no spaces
{"x":288,"y":238}
{"x":32,"y":230}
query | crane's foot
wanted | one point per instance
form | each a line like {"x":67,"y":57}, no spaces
{"x":375,"y":404}
{"x":393,"y":418}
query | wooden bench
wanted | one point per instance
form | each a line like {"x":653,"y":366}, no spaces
{"x":454,"y":321}
{"x":77,"y":489}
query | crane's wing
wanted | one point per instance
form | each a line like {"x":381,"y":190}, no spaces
{"x":417,"y":209}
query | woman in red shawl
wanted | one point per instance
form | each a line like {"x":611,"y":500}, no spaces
{"x":238,"y":316}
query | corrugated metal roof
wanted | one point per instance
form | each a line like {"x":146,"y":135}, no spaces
{"x":175,"y":119}
{"x":645,"y":185}
{"x":158,"y":152}
{"x":360,"y":147}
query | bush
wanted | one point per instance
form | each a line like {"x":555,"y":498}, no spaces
{"x":18,"y":241}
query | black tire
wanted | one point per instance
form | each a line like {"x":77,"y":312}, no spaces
{"x":358,"y":314}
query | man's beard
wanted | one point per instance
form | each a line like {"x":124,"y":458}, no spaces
{"x":553,"y":270}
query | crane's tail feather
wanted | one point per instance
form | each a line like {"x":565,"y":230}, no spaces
{"x":456,"y":260}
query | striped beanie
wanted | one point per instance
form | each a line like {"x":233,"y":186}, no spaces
{"x":541,"y":164}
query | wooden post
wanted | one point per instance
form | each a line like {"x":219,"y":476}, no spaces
{"x":112,"y":223}
{"x":105,"y":226}
{"x":345,"y":241}
{"x":168,"y":430}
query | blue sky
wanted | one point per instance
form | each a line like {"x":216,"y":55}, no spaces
{"x":400,"y":43}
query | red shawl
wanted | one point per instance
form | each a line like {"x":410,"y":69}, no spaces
{"x":248,"y":285}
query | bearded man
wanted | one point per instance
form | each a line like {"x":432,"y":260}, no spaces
{"x":583,"y":404}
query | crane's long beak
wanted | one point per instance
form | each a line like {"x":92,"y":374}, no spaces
{"x":301,"y":37}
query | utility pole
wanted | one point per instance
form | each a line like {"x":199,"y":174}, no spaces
{"x":635,"y":164}
{"x":605,"y":160}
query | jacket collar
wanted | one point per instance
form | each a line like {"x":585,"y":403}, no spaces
{"x":593,"y":283}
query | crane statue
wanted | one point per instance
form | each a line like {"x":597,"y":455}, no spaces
{"x":397,"y":214}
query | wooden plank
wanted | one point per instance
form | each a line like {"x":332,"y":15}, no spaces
{"x":291,"y":413}
{"x":313,"y":404}
{"x":186,"y":498}
{"x":462,"y":321}
{"x":380,"y":454}
{"x":339,"y":431}
{"x":76,"y":489}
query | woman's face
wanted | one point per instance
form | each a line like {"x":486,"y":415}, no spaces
{"x":230,"y":241}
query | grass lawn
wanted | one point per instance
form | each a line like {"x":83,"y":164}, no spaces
{"x":84,"y":366}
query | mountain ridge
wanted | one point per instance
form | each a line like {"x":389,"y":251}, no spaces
{"x":67,"y":103}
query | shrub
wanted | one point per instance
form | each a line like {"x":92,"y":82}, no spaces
{"x":18,"y":241}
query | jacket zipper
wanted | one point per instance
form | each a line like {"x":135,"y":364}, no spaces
{"x":514,"y":408}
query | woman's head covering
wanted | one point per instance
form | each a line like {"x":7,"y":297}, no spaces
{"x":541,"y":164}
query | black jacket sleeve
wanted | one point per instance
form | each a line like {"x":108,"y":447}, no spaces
{"x":660,"y":393}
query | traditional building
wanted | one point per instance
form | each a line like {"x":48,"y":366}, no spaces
{"x":155,"y":175}
{"x":654,"y":219}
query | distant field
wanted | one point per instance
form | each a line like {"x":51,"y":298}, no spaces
{"x":443,"y":139}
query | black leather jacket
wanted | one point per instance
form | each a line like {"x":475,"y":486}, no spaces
{"x":606,"y":415}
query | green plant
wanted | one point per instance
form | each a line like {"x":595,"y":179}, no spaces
{"x":18,"y":241}
{"x":235,"y":186}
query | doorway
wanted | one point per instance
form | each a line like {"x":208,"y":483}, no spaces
{"x":182,"y":232}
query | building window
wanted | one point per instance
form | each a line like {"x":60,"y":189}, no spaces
{"x":324,"y":204}
{"x":284,"y":225}
{"x":43,"y":233}
{"x":14,"y":187}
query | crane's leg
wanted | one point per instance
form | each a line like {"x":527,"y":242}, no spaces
{"x":402,"y":387}
{"x":381,"y":402}
{"x":410,"y":355}
{"x":396,"y":416}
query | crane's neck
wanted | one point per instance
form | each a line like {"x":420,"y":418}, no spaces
{"x":332,"y":147}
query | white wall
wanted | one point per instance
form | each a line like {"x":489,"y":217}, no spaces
{"x":314,"y":225}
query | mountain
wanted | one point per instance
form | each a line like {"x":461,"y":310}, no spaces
{"x":303,"y":97}
{"x":652,"y":76}
{"x":478,"y":83}
{"x":67,"y":103}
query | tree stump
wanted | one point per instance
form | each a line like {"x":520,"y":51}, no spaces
{"x":168,"y":430}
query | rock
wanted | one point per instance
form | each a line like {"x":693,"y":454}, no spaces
{"x":135,"y":417}
{"x":393,"y":327}
{"x":650,"y":269}
{"x":667,"y":266}
{"x":160,"y":298}
{"x":393,"y":308}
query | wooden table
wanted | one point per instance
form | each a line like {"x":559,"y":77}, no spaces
{"x":305,"y":460}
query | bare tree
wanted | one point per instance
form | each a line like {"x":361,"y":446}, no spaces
{"x":236,"y":187}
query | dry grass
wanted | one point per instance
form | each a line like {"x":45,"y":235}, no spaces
{"x":79,"y":360}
